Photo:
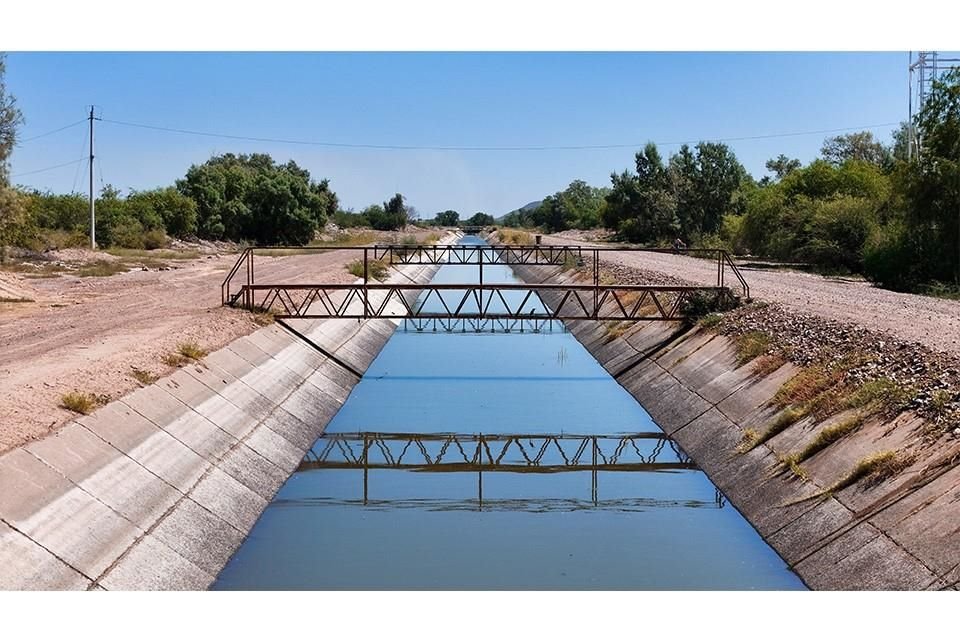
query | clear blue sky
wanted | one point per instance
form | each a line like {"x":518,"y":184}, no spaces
{"x":436,"y":99}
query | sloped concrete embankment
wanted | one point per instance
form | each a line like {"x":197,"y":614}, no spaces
{"x":896,"y":534}
{"x":157,"y":490}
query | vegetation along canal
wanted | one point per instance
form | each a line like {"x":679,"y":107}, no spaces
{"x":498,"y":460}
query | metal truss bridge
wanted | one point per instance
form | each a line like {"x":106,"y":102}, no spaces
{"x":497,"y":453}
{"x":481,"y":300}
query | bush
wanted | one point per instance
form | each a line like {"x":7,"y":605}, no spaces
{"x":154,"y":239}
{"x":889,"y":259}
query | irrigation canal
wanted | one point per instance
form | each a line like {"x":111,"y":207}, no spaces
{"x":498,"y":461}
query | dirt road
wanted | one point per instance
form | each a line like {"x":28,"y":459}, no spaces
{"x":87,"y":334}
{"x":933,"y":322}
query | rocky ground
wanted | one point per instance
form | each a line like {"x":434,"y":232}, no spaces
{"x":934,"y":322}
{"x":931,"y":378}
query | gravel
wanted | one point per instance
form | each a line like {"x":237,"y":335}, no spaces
{"x":932,"y":322}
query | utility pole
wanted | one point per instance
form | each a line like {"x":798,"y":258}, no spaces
{"x":93,"y":217}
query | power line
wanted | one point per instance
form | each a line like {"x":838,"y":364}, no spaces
{"x":50,"y":133}
{"x":56,"y":166}
{"x":395,"y":147}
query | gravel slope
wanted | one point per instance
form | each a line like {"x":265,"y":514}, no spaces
{"x":932,"y":322}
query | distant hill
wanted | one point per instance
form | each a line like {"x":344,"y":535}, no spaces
{"x":530,"y":206}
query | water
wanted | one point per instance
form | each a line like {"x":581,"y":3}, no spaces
{"x":654,"y":523}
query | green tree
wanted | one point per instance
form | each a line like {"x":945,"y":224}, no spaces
{"x":642,"y":207}
{"x":782,"y":165}
{"x":10,"y":119}
{"x":479,"y":219}
{"x":166,"y":207}
{"x":250,"y":197}
{"x":855,"y":146}
{"x":448,"y":218}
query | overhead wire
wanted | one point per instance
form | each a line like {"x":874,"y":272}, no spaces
{"x":50,"y":133}
{"x":56,"y":166}
{"x":398,"y":147}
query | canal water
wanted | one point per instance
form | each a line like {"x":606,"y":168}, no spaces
{"x":537,"y":412}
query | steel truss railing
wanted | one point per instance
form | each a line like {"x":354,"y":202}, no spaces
{"x":481,"y":302}
{"x":519,"y":453}
{"x":498,"y":453}
{"x":480,"y":255}
{"x":474,"y":325}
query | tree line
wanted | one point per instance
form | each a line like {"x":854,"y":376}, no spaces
{"x":862,"y":207}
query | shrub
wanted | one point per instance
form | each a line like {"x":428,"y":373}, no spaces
{"x":154,"y":239}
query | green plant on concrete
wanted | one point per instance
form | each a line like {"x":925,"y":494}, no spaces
{"x":751,"y":345}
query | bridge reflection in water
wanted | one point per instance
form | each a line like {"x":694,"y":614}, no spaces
{"x":645,"y":452}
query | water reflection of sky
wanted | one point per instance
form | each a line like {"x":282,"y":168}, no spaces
{"x":642,"y":530}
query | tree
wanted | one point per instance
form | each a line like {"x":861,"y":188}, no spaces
{"x":10,"y":119}
{"x":250,"y":197}
{"x":175,"y":212}
{"x":642,"y":207}
{"x":479,"y":219}
{"x":448,"y":218}
{"x":782,"y":165}
{"x":855,"y":146}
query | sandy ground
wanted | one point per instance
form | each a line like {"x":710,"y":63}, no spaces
{"x":87,"y":334}
{"x":933,"y":322}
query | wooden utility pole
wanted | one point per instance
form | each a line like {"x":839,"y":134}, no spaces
{"x":93,"y":217}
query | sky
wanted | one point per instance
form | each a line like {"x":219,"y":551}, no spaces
{"x":437,"y":100}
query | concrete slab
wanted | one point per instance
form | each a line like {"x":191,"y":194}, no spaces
{"x":864,"y":559}
{"x":798,"y":538}
{"x":156,"y":450}
{"x":754,"y":395}
{"x":253,"y":471}
{"x":228,"y":499}
{"x":25,"y":565}
{"x":153,"y":566}
{"x":59,"y":516}
{"x":106,"y":474}
{"x":275,"y":448}
{"x":199,"y":536}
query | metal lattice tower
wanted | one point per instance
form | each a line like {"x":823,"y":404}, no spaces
{"x":925,"y":68}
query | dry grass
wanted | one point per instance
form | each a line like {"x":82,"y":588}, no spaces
{"x":82,"y":402}
{"x":186,"y":352}
{"x":882,"y":395}
{"x":710,"y":320}
{"x":143,"y":377}
{"x":191,"y":350}
{"x":786,"y":418}
{"x":751,"y":345}
{"x":376,"y":269}
{"x":154,"y":254}
{"x":515,"y":236}
{"x":827,"y":436}
{"x":767,"y":364}
{"x":264,"y":318}
{"x":174,"y":360}
{"x":939,"y":401}
{"x":102,"y":269}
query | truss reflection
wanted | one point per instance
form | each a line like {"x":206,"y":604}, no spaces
{"x":650,"y":452}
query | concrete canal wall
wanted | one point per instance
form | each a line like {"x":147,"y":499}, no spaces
{"x":898,"y":534}
{"x":158,"y":489}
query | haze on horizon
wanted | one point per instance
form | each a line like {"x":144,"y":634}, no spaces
{"x":438,"y":100}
